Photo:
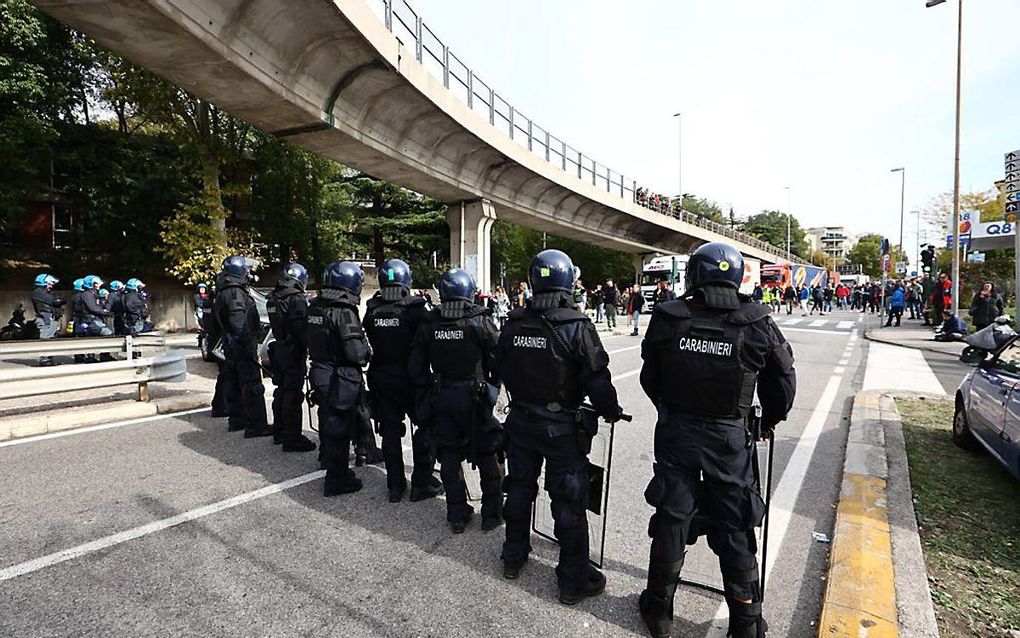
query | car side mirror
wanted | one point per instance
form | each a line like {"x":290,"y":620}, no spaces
{"x":986,"y":364}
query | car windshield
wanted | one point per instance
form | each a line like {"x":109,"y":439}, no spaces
{"x":1009,"y":360}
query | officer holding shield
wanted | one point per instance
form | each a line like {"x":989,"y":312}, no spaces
{"x":550,"y":358}
{"x":339,"y":351}
{"x":704,"y":354}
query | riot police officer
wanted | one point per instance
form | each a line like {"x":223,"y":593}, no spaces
{"x":452,"y":364}
{"x":116,"y":306}
{"x":136,"y":309}
{"x":703,"y":356}
{"x":550,"y":358}
{"x":238,"y":317}
{"x":93,"y":310}
{"x":391,"y":323}
{"x":47,"y":308}
{"x":339,"y":351}
{"x":287,"y":307}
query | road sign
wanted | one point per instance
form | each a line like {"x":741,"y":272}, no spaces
{"x":901,"y":267}
{"x":885,"y":263}
{"x":1013,"y":197}
{"x":1012,"y":207}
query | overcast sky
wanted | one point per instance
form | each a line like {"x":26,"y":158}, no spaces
{"x":824,"y":96}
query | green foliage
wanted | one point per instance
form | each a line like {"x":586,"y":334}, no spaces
{"x":513,"y":247}
{"x":770,"y":226}
{"x":704,"y":208}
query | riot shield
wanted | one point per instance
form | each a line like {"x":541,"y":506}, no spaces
{"x":600,"y":464}
{"x":701,"y":565}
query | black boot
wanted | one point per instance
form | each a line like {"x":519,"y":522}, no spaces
{"x":349,"y":484}
{"x":431,"y":489}
{"x":396,"y":489}
{"x":595,"y":586}
{"x":300,"y":443}
{"x":656,"y":602}
{"x":745,"y":620}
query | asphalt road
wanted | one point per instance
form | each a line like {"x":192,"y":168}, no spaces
{"x":173,"y":527}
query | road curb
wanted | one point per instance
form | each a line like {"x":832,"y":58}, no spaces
{"x":18,"y":427}
{"x":874,"y":566}
{"x":870,"y":335}
{"x":57,"y":420}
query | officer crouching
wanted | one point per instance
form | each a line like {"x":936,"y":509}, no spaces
{"x":339,"y":350}
{"x":703,"y":355}
{"x":452,"y":365}
{"x":550,"y":358}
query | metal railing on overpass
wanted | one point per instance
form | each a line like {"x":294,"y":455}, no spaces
{"x":411,"y":31}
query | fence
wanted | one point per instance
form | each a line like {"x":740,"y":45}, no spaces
{"x":411,"y":31}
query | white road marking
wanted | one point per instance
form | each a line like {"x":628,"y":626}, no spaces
{"x":150,"y":528}
{"x":818,"y":331}
{"x":612,"y":352}
{"x":104,"y":426}
{"x":624,"y":375}
{"x":792,"y":322}
{"x":838,"y":370}
{"x":844,"y":324}
{"x":784,"y":498}
{"x":895,"y":368}
{"x":844,"y":362}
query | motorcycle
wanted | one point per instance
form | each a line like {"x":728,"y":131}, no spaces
{"x":18,"y":328}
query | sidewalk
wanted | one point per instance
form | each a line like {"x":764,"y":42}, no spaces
{"x":914,"y":336}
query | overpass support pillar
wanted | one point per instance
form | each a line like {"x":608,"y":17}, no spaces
{"x":639,"y":264}
{"x":470,"y":234}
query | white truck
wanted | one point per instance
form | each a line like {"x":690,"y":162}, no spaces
{"x":673,"y":270}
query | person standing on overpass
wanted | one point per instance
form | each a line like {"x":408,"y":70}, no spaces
{"x":703,"y":356}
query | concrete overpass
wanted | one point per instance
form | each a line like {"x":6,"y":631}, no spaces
{"x":368,"y":84}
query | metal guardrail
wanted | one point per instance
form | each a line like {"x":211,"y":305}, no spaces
{"x":82,"y":345}
{"x":27,"y":382}
{"x":410,"y":30}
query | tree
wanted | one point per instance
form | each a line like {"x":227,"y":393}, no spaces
{"x":770,"y":226}
{"x":868,"y":253}
{"x":819,"y":258}
{"x":704,"y":208}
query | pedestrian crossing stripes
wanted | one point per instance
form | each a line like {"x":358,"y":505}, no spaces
{"x":810,"y":322}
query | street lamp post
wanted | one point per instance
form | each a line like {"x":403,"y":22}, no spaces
{"x":903,"y":189}
{"x":956,"y":161}
{"x":789,"y":216}
{"x":680,"y":156}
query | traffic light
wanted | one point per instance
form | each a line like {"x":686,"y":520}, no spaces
{"x":928,"y":260}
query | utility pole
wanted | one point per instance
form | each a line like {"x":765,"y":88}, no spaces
{"x":680,"y":157}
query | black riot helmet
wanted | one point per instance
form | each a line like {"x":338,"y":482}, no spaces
{"x":343,"y":275}
{"x":395,"y":272}
{"x":295,"y":271}
{"x":550,"y":271}
{"x":237,"y":266}
{"x":715,"y":263}
{"x":456,"y":285}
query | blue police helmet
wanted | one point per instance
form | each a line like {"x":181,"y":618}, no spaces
{"x":715,"y":263}
{"x":551,"y":270}
{"x":134,"y":284}
{"x":79,"y":284}
{"x":343,"y":275}
{"x":116,"y":285}
{"x":395,"y":272}
{"x":92,"y":280}
{"x":456,"y":284}
{"x":237,"y":266}
{"x":297,"y":272}
{"x":103,"y":293}
{"x":46,"y":279}
{"x":199,"y":286}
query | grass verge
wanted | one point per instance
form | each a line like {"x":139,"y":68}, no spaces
{"x":968,"y":512}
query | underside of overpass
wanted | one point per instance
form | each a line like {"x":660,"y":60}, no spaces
{"x":330,"y":76}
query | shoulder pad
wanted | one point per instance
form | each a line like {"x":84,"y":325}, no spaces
{"x":676,"y":308}
{"x":565,"y":315}
{"x":474,"y":310}
{"x":516,"y":314}
{"x":748,"y":313}
{"x":411,"y":301}
{"x":374,"y":302}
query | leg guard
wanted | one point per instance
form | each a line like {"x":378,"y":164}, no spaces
{"x":491,"y":479}
{"x":393,"y":454}
{"x":457,"y":508}
{"x":568,"y":493}
{"x":423,"y":457}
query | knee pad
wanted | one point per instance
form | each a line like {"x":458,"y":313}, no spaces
{"x":569,"y":494}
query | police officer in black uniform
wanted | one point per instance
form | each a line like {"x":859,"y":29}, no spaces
{"x":703,"y":355}
{"x":391,"y":322}
{"x":550,"y":358}
{"x":238,"y":317}
{"x":48,"y":310}
{"x":339,"y":351}
{"x":452,"y":362}
{"x":287,"y":307}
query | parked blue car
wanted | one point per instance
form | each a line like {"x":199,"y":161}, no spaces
{"x":988,"y":404}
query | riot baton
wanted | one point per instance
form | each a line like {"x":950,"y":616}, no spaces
{"x":768,"y":509}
